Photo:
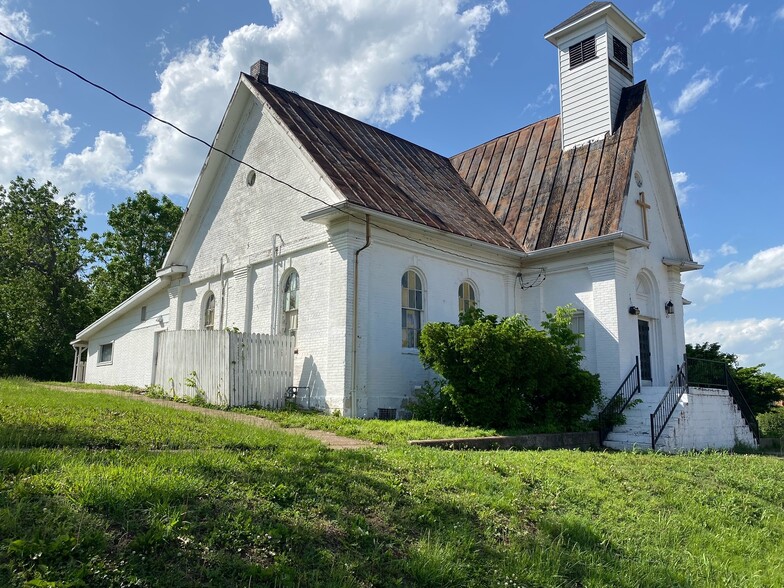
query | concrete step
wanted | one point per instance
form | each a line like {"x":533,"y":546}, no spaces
{"x":635,"y":433}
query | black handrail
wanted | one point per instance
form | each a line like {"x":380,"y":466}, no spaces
{"x":619,"y":401}
{"x":743,"y":406}
{"x":666,"y":407}
{"x":709,"y":373}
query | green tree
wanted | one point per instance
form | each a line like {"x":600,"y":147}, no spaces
{"x":43,"y":297}
{"x":128,"y":255}
{"x":507,"y":374}
{"x":761,"y":389}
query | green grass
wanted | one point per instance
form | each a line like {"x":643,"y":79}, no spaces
{"x":385,"y":432}
{"x":140,"y":495}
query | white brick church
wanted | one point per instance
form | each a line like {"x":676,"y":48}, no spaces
{"x":349,"y":238}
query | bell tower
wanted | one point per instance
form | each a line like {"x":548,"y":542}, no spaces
{"x":594,"y":64}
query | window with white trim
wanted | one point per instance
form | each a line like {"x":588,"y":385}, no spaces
{"x":105,"y":354}
{"x":291,"y":305}
{"x":466,"y":297}
{"x":412,"y":305}
{"x":208,"y":321}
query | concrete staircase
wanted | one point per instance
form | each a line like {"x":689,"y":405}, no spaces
{"x":635,"y":433}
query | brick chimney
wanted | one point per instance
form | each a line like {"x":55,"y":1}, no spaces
{"x":259,"y":71}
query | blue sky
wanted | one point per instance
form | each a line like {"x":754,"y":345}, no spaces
{"x":445,"y":74}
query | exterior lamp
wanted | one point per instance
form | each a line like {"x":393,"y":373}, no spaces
{"x":634,"y":310}
{"x":669,"y":308}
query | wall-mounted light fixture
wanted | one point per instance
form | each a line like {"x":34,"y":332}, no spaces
{"x":669,"y":308}
{"x":634,"y":310}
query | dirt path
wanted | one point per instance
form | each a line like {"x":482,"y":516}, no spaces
{"x":329,"y":439}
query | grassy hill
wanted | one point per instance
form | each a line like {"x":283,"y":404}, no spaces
{"x":104,"y":491}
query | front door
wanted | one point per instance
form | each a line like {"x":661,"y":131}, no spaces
{"x":643,"y":328}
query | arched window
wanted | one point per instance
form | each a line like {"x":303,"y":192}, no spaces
{"x":466,"y":297}
{"x":291,"y":304}
{"x":412,"y":305}
{"x":209,"y":311}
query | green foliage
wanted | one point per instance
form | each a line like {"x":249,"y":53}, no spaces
{"x":508,"y":374}
{"x":762,"y":390}
{"x":142,"y":229}
{"x":772,"y":423}
{"x":42,"y":296}
{"x":429,"y":404}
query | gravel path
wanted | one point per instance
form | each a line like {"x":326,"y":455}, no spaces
{"x":328,"y":438}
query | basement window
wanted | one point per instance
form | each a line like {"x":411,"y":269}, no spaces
{"x":105,"y":354}
{"x":620,"y":52}
{"x":581,"y":52}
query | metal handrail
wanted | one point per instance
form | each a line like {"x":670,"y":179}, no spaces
{"x":619,"y":401}
{"x":666,"y":407}
{"x":743,"y":406}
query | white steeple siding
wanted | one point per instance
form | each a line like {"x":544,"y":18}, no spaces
{"x":591,"y":85}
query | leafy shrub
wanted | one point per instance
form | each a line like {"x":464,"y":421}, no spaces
{"x":772,"y":423}
{"x":429,"y":404}
{"x":508,"y":374}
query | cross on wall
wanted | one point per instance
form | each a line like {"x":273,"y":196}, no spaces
{"x":644,"y":208}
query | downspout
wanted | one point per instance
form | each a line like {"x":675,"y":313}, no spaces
{"x":355,"y":313}
{"x":223,"y":290}
{"x":274,"y":306}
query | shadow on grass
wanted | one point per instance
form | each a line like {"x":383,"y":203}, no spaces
{"x":296,"y":515}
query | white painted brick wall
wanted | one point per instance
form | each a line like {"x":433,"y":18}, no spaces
{"x":708,"y":418}
{"x":133,"y":344}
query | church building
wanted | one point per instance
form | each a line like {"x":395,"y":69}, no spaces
{"x":348,"y":239}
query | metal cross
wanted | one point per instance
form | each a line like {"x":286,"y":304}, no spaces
{"x":644,"y":206}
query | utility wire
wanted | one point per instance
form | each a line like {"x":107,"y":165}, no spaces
{"x":211,"y":148}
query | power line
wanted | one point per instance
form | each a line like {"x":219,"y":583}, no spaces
{"x":211,"y":148}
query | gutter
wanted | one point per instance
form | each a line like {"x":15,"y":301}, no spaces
{"x":354,"y":315}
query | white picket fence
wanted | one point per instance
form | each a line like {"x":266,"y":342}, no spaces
{"x":235,"y":369}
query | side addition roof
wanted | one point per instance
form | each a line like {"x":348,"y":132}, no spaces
{"x":379,"y":171}
{"x":545,"y":197}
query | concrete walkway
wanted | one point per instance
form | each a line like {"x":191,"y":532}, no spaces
{"x":328,"y":438}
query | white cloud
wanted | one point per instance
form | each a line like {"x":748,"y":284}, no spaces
{"x":544,"y":98}
{"x":764,"y":270}
{"x":699,"y":85}
{"x":703,"y":256}
{"x":16,"y":25}
{"x":32,"y":138}
{"x":726,"y":249}
{"x":659,"y":9}
{"x":779,"y":14}
{"x":733,"y":18}
{"x":667,"y":126}
{"x":672,"y":59}
{"x":753,"y":340}
{"x":371,"y":60}
{"x":641,"y":49}
{"x":680,"y":181}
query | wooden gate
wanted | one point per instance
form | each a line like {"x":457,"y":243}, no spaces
{"x":227,"y":368}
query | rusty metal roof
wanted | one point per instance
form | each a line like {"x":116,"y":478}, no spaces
{"x":545,"y":197}
{"x":379,"y":171}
